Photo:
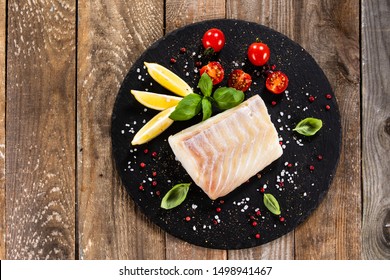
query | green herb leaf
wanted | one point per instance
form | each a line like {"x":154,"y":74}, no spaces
{"x":271,"y":203}
{"x":175,"y":196}
{"x":205,"y":84}
{"x":308,"y":126}
{"x":227,"y":97}
{"x":187,"y":108}
{"x":206,"y":108}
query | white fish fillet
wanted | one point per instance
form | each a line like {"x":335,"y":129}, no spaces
{"x":226,"y":150}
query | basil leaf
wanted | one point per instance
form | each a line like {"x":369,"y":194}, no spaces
{"x":187,"y":108}
{"x":308,"y":126}
{"x":206,"y":108}
{"x":175,"y":196}
{"x":271,"y":203}
{"x":227,"y":97}
{"x":205,"y":84}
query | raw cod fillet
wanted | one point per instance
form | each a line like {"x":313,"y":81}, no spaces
{"x":226,"y":150}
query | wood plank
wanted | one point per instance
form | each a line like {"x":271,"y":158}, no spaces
{"x":2,"y":127}
{"x":334,"y":229}
{"x":279,"y":16}
{"x":40,"y":167}
{"x":112,"y":34}
{"x":376,"y":129}
{"x":178,"y":14}
{"x":183,"y":12}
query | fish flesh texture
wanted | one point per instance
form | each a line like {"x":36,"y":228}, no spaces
{"x":229,"y":148}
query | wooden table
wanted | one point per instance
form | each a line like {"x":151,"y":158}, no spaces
{"x":61,"y":65}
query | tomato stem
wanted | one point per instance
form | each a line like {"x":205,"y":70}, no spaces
{"x":209,"y":51}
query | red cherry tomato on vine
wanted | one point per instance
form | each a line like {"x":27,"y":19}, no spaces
{"x":258,"y":53}
{"x":240,"y":80}
{"x":276,"y":82}
{"x":214,"y":70}
{"x":214,"y":39}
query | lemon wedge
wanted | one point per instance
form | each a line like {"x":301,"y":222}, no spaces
{"x":168,"y":79}
{"x":156,"y":101}
{"x":154,"y":127}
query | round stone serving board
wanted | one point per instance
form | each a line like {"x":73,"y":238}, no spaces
{"x":227,"y":223}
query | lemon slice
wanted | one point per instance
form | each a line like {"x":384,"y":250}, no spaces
{"x":168,"y":79}
{"x":156,"y":101}
{"x":154,"y":127}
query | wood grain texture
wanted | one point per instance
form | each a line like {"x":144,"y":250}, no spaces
{"x":112,"y":34}
{"x":275,"y":14}
{"x":179,"y":14}
{"x":40,"y":168}
{"x":183,"y":12}
{"x":2,"y":127}
{"x":376,"y":129}
{"x":334,"y":229}
{"x":279,"y":16}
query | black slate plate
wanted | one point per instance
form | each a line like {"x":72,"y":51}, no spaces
{"x":227,"y":223}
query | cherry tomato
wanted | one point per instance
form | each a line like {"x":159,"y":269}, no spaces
{"x":240,"y":80}
{"x":258,"y":53}
{"x":214,"y":39}
{"x":276,"y":82}
{"x":214,"y":70}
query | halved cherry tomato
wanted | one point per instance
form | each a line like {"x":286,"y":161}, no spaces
{"x":215,"y":70}
{"x":239,"y":80}
{"x":258,"y":53}
{"x":214,"y":39}
{"x":276,"y":82}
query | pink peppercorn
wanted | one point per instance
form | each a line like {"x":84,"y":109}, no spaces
{"x":257,"y":236}
{"x":173,"y":60}
{"x":311,"y":167}
{"x":311,"y":98}
{"x":154,"y":154}
{"x":327,"y":107}
{"x":328,"y":96}
{"x":142,"y":164}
